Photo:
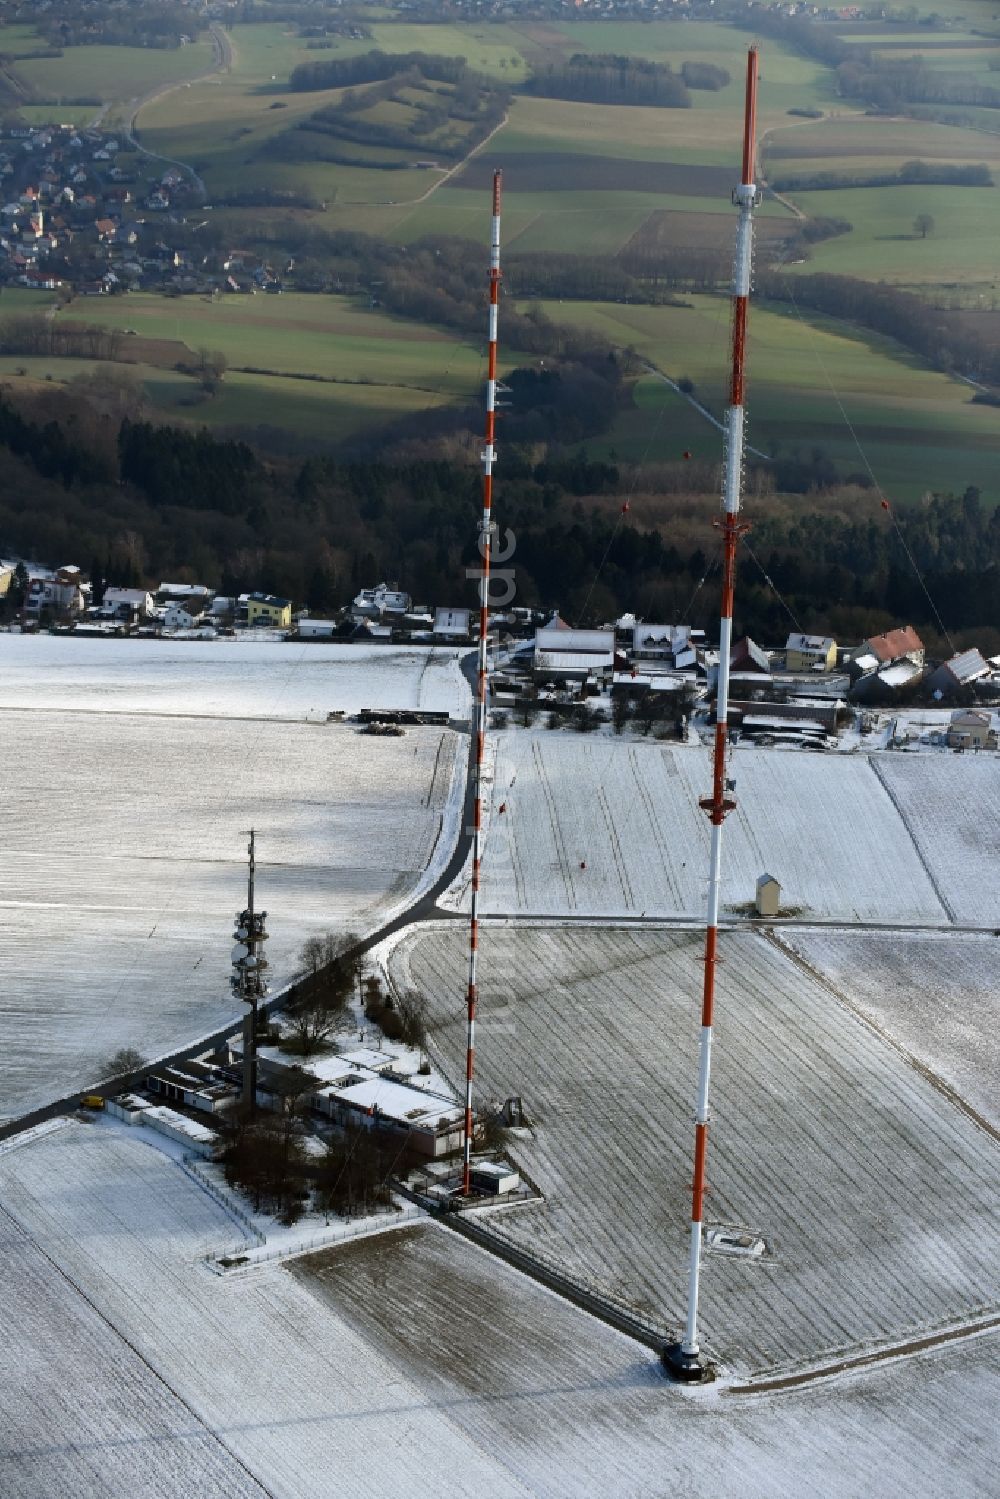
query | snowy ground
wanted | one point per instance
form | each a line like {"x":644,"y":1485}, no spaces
{"x":879,"y":1199}
{"x":825,"y":827}
{"x":951,"y":806}
{"x":226,"y":678}
{"x":934,"y":993}
{"x":136,"y":1371}
{"x":408,"y":1367}
{"x":125,"y":860}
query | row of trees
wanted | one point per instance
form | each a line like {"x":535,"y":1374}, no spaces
{"x":605,"y":78}
{"x":940,"y":173}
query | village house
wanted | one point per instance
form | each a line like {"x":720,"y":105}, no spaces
{"x":267,"y":609}
{"x":452,"y":624}
{"x":60,"y":592}
{"x":129,"y":604}
{"x":810,"y":652}
{"x":384,"y":600}
{"x":185,"y":616}
{"x":675,"y":646}
{"x":902,"y":644}
{"x":971,"y":728}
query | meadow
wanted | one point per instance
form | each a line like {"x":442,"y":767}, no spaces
{"x":372,"y":367}
{"x":112,"y":74}
{"x":811,"y":382}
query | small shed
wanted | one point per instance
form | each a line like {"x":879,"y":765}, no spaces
{"x":494,"y":1178}
{"x":768,"y":902}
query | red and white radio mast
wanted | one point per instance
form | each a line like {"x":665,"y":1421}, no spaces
{"x":485,"y":549}
{"x":685,"y":1359}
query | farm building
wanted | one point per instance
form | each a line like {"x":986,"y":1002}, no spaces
{"x":747,"y":657}
{"x":970,"y":728}
{"x":903,"y":644}
{"x":573,"y":655}
{"x":810,"y":652}
{"x":452,"y":624}
{"x":316,"y":629}
{"x":962,"y":670}
{"x":268,"y":609}
{"x":820,"y":712}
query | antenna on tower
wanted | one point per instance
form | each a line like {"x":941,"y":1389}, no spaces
{"x":485,"y":550}
{"x":248,"y":978}
{"x":684,"y":1359}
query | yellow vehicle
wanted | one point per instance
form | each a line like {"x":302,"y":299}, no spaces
{"x":92,"y":1101}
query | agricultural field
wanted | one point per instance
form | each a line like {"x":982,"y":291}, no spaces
{"x":255,"y":1388}
{"x":226,"y":127}
{"x":917,"y":428}
{"x":150,"y":762}
{"x":952,"y":819}
{"x":599,"y":827}
{"x":575,"y":1408}
{"x":934,"y":993}
{"x":112,"y":74}
{"x":876,"y":1197}
{"x":369,"y":367}
{"x":883,"y":244}
{"x":408,"y":1366}
{"x":336,"y":337}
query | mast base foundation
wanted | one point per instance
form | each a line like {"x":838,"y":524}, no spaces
{"x":684,"y":1367}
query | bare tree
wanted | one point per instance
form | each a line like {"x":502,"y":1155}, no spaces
{"x":923,"y":224}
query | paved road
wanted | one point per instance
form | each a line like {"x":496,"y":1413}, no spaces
{"x":221,"y":63}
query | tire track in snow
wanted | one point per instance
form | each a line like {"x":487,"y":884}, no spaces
{"x":557,"y":837}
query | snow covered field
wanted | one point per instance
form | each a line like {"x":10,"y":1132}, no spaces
{"x":934,"y":993}
{"x":412,"y":1366}
{"x":825,"y":827}
{"x":951,"y":806}
{"x":572,"y":1408}
{"x":226,"y":678}
{"x":190,"y":1385}
{"x":125,"y":850}
{"x":879,"y":1200}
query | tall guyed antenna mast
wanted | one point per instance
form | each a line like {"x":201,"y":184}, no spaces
{"x":485,"y":550}
{"x":685,"y":1359}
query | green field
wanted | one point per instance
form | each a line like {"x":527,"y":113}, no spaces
{"x":244,"y":402}
{"x":883,"y":245}
{"x":375,"y":367}
{"x":224,"y":124}
{"x":810,"y":382}
{"x":112,"y":73}
{"x":299,"y":334}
